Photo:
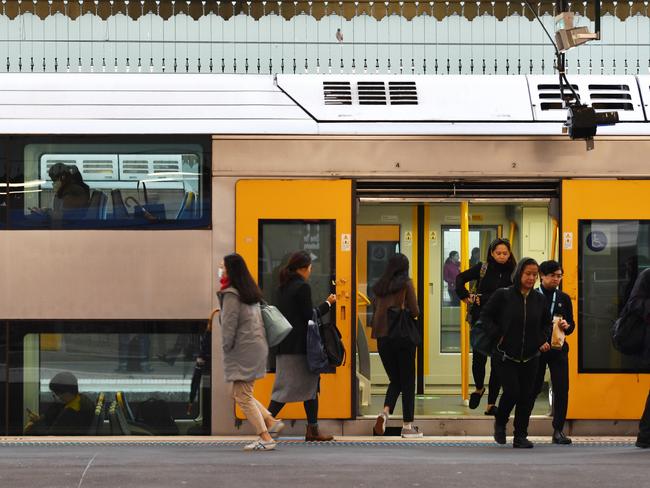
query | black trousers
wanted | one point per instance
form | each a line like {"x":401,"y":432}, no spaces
{"x":478,"y":371}
{"x":517,"y":382}
{"x":399,"y":362}
{"x":644,"y":424}
{"x":558,"y":363}
{"x":311,"y":409}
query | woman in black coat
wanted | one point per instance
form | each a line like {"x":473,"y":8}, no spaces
{"x":294,"y":382}
{"x":520,"y":321}
{"x":495,"y":273}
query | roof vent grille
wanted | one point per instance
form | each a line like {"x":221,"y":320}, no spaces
{"x":403,"y":92}
{"x":552,"y":92}
{"x":337,"y":93}
{"x":610,"y":97}
{"x":371,"y":92}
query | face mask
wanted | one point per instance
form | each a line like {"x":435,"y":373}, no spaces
{"x":220,"y":273}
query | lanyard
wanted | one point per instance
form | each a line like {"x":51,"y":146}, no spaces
{"x":552,"y":302}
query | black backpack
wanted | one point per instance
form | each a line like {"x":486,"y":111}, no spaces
{"x":629,"y":333}
{"x":333,"y":344}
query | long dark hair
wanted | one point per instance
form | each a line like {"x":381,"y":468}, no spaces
{"x":511,"y":263}
{"x":298,"y":260}
{"x":241,"y":279}
{"x":395,"y":277}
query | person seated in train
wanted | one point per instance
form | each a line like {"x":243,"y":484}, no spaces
{"x":71,"y":414}
{"x":557,"y":359}
{"x":71,"y":194}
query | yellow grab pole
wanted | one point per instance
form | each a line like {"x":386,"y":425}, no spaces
{"x":556,"y":229}
{"x":464,"y":330}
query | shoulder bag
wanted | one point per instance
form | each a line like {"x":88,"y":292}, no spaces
{"x":276,"y":325}
{"x":402,"y":326}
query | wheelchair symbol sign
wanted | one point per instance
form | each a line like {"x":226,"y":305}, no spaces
{"x":597,"y":241}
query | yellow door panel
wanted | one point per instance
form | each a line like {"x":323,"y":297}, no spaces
{"x":604,"y":236}
{"x":260,"y":201}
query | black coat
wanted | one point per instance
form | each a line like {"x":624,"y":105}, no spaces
{"x":563,"y":307}
{"x":294,"y":301}
{"x":520,"y":324}
{"x":496,"y":276}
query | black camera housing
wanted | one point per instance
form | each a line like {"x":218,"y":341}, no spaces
{"x":582,"y":121}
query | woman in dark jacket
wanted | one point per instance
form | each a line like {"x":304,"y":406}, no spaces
{"x":520,"y":321}
{"x":495,"y":273}
{"x":395,"y":289}
{"x":639,"y":303}
{"x":294,"y":382}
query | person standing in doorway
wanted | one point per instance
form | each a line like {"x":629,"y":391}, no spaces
{"x":494,"y":273}
{"x":244,"y":345}
{"x":519,"y":319}
{"x":450,"y":271}
{"x":294,"y":382}
{"x":395,"y":289}
{"x":560,"y":307}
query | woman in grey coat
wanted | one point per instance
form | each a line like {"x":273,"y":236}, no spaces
{"x":244,"y":346}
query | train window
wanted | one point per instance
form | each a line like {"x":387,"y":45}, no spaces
{"x":280,"y":238}
{"x":117,"y":379}
{"x":64,"y":184}
{"x":4,"y":184}
{"x":612,"y":254}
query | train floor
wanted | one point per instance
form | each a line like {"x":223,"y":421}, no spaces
{"x":348,"y":462}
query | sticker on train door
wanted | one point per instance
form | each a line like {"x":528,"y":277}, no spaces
{"x":568,"y":241}
{"x":346,"y":242}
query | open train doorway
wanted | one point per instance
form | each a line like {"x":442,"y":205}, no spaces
{"x":423,"y":222}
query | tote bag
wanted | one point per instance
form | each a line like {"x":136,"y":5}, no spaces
{"x":402,"y":326}
{"x":276,"y":325}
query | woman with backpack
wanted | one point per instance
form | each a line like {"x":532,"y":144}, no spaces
{"x":294,"y":382}
{"x":395,"y":289}
{"x":489,"y":276}
{"x":244,"y":345}
{"x":519,"y":320}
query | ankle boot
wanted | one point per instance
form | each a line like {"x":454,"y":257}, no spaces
{"x":314,"y":435}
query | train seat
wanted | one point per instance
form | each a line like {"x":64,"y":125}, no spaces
{"x":119,"y":208}
{"x":98,"y":206}
{"x":186,"y":210}
{"x":100,"y":415}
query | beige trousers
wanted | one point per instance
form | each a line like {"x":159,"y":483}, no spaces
{"x":242,"y":392}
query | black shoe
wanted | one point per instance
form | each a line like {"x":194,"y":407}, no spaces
{"x":475,"y":399}
{"x":560,"y":438}
{"x":522,"y":443}
{"x":643,"y":444}
{"x":499,"y":433}
{"x":492,"y":411}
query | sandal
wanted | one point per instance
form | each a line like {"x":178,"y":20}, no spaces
{"x":475,"y":399}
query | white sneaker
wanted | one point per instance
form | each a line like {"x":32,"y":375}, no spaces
{"x":411,"y":433}
{"x":380,"y":424}
{"x":260,"y":445}
{"x":276,"y":428}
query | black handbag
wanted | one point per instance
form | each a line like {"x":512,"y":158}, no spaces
{"x":402,"y":326}
{"x":481,"y":339}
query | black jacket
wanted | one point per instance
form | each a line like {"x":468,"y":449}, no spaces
{"x":294,"y":301}
{"x":563,"y":307}
{"x":496,"y":276}
{"x":521,"y":324}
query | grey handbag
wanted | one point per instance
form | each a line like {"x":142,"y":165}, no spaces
{"x":276,"y":325}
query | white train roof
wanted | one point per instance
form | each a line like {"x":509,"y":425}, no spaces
{"x":144,"y":103}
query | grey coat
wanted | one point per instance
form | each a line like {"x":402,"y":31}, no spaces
{"x":245,"y":349}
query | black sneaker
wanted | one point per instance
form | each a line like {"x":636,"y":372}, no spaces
{"x":560,"y":438}
{"x":492,"y":410}
{"x":499,"y":433}
{"x":475,"y":399}
{"x":643,"y":444}
{"x":522,"y":443}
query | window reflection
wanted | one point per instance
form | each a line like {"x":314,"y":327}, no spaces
{"x":612,"y":254}
{"x":140,"y":383}
{"x":80,"y":185}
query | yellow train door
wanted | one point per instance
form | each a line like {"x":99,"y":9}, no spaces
{"x":277,"y":217}
{"x":605,"y":244}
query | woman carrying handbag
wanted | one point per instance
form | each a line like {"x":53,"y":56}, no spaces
{"x":244,"y":346}
{"x":394,"y":295}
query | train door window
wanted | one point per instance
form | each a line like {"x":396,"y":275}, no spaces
{"x":281,"y":238}
{"x":4,"y":184}
{"x":96,"y":378}
{"x":479,"y":240}
{"x":612,"y":253}
{"x":109,"y":183}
